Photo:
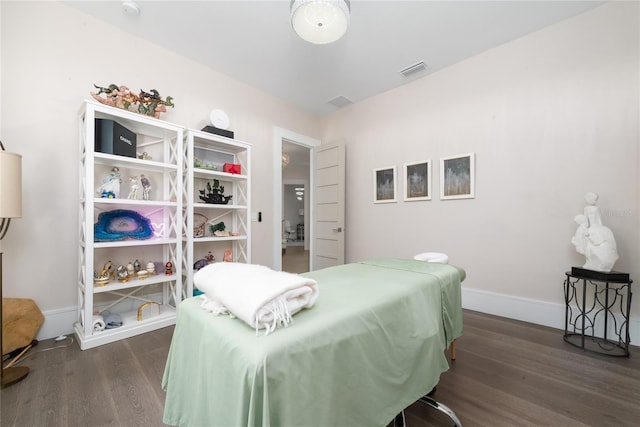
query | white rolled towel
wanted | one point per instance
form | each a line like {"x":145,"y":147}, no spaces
{"x":262,"y":297}
{"x":98,"y":323}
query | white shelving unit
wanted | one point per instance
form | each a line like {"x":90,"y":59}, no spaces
{"x":164,"y":210}
{"x":212,"y":151}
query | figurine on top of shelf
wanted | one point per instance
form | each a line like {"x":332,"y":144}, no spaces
{"x":214,"y":194}
{"x":110,"y":187}
{"x":144,"y":156}
{"x":228,"y":256}
{"x":152,"y":103}
{"x":168,"y":268}
{"x":149,"y":103}
{"x":146,"y":187}
{"x":133,"y":192}
{"x":210,"y":258}
{"x":115,"y":96}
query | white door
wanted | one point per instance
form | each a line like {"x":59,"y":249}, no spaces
{"x":329,"y":206}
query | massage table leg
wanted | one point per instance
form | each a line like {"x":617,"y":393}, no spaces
{"x":442,"y":408}
{"x":452,"y":350}
{"x":399,"y":420}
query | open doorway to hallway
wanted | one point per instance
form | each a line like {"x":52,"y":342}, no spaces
{"x":295,"y":207}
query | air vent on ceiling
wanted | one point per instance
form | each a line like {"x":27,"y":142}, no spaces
{"x":340,"y":101}
{"x":412,"y":69}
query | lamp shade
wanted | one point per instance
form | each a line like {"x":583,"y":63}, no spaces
{"x":320,"y":21}
{"x":10,"y":185}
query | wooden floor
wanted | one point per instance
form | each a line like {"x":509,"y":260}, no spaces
{"x":507,"y":373}
{"x":295,"y":259}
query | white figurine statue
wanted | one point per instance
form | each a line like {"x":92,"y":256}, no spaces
{"x":146,"y":187}
{"x":133,"y":193}
{"x":594,"y":240}
{"x":110,"y":187}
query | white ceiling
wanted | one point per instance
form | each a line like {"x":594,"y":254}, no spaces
{"x":252,"y":41}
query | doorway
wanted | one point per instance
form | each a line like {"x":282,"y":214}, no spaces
{"x":295,"y":208}
{"x":293,"y":213}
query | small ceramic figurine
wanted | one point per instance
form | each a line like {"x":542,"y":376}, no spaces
{"x":168,"y":268}
{"x":151,"y":269}
{"x":130,"y":268}
{"x":110,"y":187}
{"x":199,"y":264}
{"x":136,"y":266}
{"x":146,"y":187}
{"x":133,"y":192}
{"x":107,"y":270}
{"x":210,"y":258}
{"x":122,"y":274}
{"x":103,"y":278}
{"x":228,"y":256}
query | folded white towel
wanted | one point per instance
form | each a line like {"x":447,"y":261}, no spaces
{"x":98,"y":323}
{"x":262,"y":297}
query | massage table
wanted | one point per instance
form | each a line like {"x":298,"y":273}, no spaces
{"x":373,"y":344}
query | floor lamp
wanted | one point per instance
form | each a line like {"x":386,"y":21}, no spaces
{"x":10,"y":207}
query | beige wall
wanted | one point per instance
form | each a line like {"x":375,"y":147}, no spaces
{"x":550,"y":116}
{"x":51,"y":56}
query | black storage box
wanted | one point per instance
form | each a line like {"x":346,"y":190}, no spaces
{"x":217,"y":131}
{"x":113,"y":138}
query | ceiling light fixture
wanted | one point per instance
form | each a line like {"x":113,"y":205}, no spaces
{"x":320,"y":21}
{"x":130,"y":7}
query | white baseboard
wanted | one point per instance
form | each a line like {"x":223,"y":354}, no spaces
{"x":57,"y":322}
{"x":528,"y":310}
{"x":60,"y":321}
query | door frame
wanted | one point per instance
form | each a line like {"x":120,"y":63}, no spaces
{"x":280,"y":134}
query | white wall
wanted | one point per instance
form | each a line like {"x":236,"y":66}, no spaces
{"x":550,"y":116}
{"x":51,"y":56}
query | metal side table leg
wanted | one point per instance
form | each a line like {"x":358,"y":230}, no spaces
{"x":442,"y":408}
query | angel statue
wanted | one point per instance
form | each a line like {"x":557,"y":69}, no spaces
{"x":592,"y":239}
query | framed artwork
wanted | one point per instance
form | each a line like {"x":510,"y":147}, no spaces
{"x":457,"y":177}
{"x":384,"y":185}
{"x":417,"y":184}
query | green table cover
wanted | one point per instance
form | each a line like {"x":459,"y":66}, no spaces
{"x":372,"y":345}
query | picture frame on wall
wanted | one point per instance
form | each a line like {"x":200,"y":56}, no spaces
{"x":457,"y":177}
{"x":417,"y":181}
{"x":384,"y":185}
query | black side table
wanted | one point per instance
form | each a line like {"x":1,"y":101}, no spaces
{"x":597,"y":307}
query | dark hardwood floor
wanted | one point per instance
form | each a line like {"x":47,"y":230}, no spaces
{"x":507,"y":373}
